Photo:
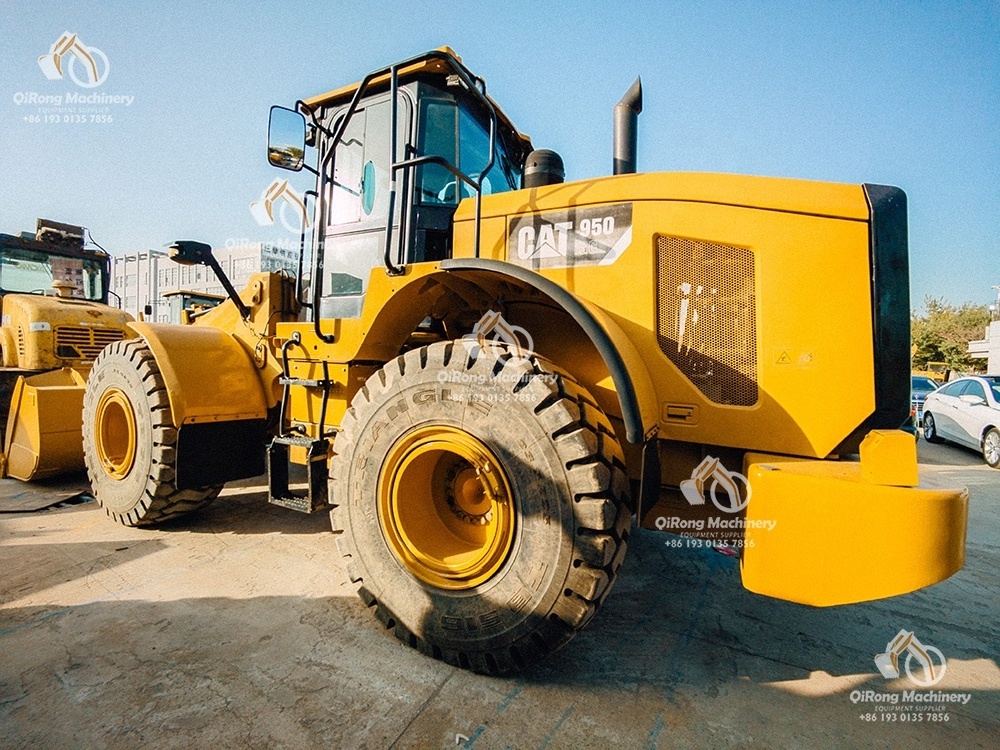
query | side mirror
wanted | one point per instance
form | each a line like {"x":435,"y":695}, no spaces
{"x":286,"y":139}
{"x":190,"y":253}
{"x":971,"y":399}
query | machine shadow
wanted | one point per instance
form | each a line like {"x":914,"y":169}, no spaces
{"x":245,"y":510}
{"x":295,"y":671}
{"x":679,"y":616}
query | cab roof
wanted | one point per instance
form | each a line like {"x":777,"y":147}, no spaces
{"x":439,"y":61}
{"x":61,"y":250}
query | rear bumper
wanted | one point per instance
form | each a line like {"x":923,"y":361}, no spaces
{"x":832,"y":532}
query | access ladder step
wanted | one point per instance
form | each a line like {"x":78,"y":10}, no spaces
{"x":306,"y":382}
{"x":315,"y":497}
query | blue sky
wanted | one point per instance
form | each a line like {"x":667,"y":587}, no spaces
{"x":904,"y":93}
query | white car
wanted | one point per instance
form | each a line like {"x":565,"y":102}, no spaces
{"x":966,"y":411}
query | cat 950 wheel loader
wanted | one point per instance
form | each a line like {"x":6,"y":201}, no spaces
{"x":492,"y":372}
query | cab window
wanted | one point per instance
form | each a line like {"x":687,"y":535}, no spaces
{"x":31,"y":271}
{"x":450,"y":131}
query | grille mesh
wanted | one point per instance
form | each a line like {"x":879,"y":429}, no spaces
{"x":88,"y":342}
{"x":706,"y":316}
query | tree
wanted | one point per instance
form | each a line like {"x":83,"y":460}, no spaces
{"x":943,"y":333}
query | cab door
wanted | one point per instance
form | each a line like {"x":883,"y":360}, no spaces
{"x":358,"y":200}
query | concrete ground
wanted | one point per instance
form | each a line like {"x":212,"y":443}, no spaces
{"x":236,"y":628}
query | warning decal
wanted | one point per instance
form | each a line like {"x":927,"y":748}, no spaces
{"x":585,"y":236}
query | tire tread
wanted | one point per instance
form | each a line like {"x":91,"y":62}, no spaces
{"x":161,"y":500}
{"x":585,"y":439}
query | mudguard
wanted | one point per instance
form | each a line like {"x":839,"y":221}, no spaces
{"x":209,"y":375}
{"x":217,"y":402}
{"x":629,"y":375}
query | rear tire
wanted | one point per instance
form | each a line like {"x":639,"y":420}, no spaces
{"x":991,"y":448}
{"x":129,"y":439}
{"x":438,"y":430}
{"x":930,"y":429}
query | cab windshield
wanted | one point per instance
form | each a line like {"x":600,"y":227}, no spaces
{"x":449,"y":130}
{"x":32,"y":272}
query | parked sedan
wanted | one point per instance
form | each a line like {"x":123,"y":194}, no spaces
{"x":966,"y":411}
{"x":920,"y":386}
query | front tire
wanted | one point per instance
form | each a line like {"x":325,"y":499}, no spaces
{"x":991,"y":447}
{"x":930,"y":429}
{"x":482,"y":500}
{"x":129,"y":439}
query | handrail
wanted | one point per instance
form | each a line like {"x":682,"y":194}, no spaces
{"x":476,"y":86}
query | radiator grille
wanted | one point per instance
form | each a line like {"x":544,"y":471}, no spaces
{"x":706,"y":316}
{"x":20,"y":341}
{"x":84,"y":343}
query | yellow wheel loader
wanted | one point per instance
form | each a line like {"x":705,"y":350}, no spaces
{"x":55,"y":321}
{"x":494,"y":374}
{"x":937,"y":371}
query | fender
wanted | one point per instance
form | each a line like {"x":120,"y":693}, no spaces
{"x":632,"y":383}
{"x":217,"y":402}
{"x":210,"y":377}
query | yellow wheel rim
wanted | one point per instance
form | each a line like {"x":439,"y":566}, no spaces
{"x":445,"y":507}
{"x":115,"y":433}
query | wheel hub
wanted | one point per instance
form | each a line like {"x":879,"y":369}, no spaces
{"x":468,"y":495}
{"x":445,"y":507}
{"x":115,"y":433}
{"x":992,"y":448}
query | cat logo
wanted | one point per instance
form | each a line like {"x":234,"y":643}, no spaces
{"x":585,"y":236}
{"x":548,"y":241}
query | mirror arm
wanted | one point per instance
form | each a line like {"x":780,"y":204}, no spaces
{"x":301,"y":106}
{"x":189,"y":253}
{"x":212,"y":263}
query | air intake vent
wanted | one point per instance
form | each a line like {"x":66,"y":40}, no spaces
{"x":84,"y":343}
{"x":706,"y":316}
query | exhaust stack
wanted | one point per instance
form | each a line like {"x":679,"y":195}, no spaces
{"x":626,"y":129}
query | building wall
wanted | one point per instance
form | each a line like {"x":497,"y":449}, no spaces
{"x":993,"y":355}
{"x":134,"y":280}
{"x":140,"y":279}
{"x":988,"y":348}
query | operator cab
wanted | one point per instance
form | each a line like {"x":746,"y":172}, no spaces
{"x":446,"y":132}
{"x":53,"y":261}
